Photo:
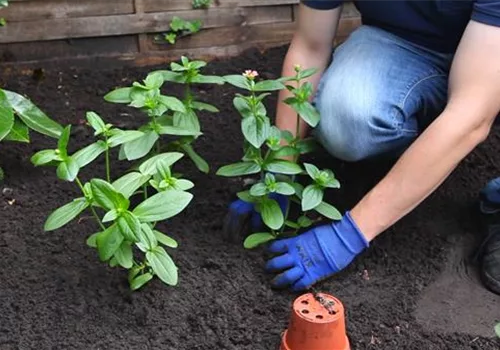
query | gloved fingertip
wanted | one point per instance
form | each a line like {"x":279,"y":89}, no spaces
{"x":256,"y":221}
{"x":279,"y":263}
{"x":278,"y":246}
{"x":300,"y":285}
{"x":287,"y":278}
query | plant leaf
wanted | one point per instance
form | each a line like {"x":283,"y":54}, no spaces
{"x":163,"y":265}
{"x":239,"y":169}
{"x":258,"y":189}
{"x":62,"y":215}
{"x":129,"y":226}
{"x":32,"y":116}
{"x":307,"y":112}
{"x":124,"y":256}
{"x":44,"y":156}
{"x":285,"y":189}
{"x":200,"y":163}
{"x":207,"y":79}
{"x":108,"y":242}
{"x":312,"y":196}
{"x":245,"y":196}
{"x":96,"y":123}
{"x":68,"y":169}
{"x":62,"y":143}
{"x":129,"y":183}
{"x":178,"y":131}
{"x":268,"y":85}
{"x":271,"y":213}
{"x":110,"y":216}
{"x":256,"y":130}
{"x":242,"y":106}
{"x":256,"y":239}
{"x":183,"y":184}
{"x":89,"y":153}
{"x":124,"y":136}
{"x":307,"y":145}
{"x":172,"y":103}
{"x":497,"y":330}
{"x":91,"y":240}
{"x":19,"y":132}
{"x":106,"y":195}
{"x":312,"y":170}
{"x":328,"y":211}
{"x":162,"y":206}
{"x":202,"y":106}
{"x":120,"y":95}
{"x":150,"y":166}
{"x":147,"y":239}
{"x":141,"y":146}
{"x":304,"y":221}
{"x":187,"y":121}
{"x":140,"y":281}
{"x":6,"y":116}
{"x":237,"y":80}
{"x":283,"y":167}
{"x":164,"y":239}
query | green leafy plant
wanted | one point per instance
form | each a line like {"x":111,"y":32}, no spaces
{"x":497,"y":330}
{"x":3,"y":3}
{"x":201,"y":4}
{"x":180,"y":28}
{"x":169,"y":116}
{"x":123,"y":230}
{"x":273,"y":154}
{"x":18,"y":115}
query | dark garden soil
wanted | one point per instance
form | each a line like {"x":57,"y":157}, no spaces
{"x":55,"y":294}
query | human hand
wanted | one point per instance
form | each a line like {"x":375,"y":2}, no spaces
{"x":316,"y":254}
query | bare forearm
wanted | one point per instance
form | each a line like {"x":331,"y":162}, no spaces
{"x":311,"y":47}
{"x":421,"y":169}
{"x":472,"y":107}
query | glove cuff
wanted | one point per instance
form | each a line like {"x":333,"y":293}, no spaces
{"x":350,"y":234}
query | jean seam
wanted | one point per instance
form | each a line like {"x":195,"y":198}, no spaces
{"x":400,"y":106}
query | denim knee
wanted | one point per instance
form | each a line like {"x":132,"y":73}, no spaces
{"x":353,"y":127}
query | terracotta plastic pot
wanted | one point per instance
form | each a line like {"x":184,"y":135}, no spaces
{"x":316,"y":325}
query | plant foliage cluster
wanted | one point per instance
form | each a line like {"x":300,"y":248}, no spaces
{"x":129,"y":206}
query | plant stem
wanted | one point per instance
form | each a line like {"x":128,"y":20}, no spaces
{"x":145,"y":190}
{"x":108,"y":168}
{"x":91,"y":207}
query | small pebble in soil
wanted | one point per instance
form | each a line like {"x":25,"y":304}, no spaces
{"x":7,"y":191}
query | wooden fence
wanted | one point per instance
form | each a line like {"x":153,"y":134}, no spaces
{"x":127,"y":30}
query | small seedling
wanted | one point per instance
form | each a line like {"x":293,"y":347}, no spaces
{"x":274,"y":153}
{"x":3,"y":3}
{"x":168,"y":115}
{"x":122,"y":228}
{"x":201,"y":4}
{"x":180,"y":28}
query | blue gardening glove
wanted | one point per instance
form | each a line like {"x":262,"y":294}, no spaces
{"x":489,"y":197}
{"x":315,"y":254}
{"x":241,"y":214}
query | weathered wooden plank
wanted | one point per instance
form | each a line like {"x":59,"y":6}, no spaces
{"x":53,"y":29}
{"x":177,"y":5}
{"x":263,"y":33}
{"x":50,"y":9}
{"x":86,"y":47}
{"x":141,"y":38}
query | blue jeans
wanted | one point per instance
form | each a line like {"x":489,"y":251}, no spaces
{"x":378,"y":94}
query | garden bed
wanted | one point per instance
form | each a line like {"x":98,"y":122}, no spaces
{"x":55,"y":294}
